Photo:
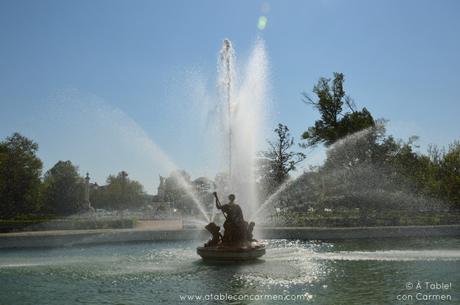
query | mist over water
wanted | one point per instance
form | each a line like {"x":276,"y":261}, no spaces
{"x":351,"y":177}
{"x":108,"y":140}
{"x":103,"y":139}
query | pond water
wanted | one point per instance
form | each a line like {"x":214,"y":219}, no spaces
{"x":292,"y":272}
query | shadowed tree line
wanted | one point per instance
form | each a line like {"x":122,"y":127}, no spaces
{"x":120,"y":192}
{"x":24,"y":191}
{"x":365,"y":171}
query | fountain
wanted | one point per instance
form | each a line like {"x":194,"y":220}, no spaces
{"x":241,"y":108}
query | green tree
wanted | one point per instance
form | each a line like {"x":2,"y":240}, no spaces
{"x":335,"y":122}
{"x":20,"y":171}
{"x":278,"y":161}
{"x":63,"y":189}
{"x":119,"y":193}
{"x":450,"y":170}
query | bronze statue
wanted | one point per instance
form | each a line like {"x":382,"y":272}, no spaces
{"x":236,"y":229}
{"x":237,"y":243}
{"x":216,"y":236}
{"x":234,"y":224}
{"x":250,"y":237}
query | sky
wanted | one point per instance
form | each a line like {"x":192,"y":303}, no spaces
{"x":116,"y":85}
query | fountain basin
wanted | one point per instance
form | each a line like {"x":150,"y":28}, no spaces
{"x":250,"y":251}
{"x":358,"y":271}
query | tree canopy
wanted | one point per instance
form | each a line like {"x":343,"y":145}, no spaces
{"x":279,"y":160}
{"x":63,"y":189}
{"x":119,"y":193}
{"x":20,"y":171}
{"x":335,"y":122}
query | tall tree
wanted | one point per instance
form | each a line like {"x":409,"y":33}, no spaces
{"x":335,"y":122}
{"x":279,"y":160}
{"x":20,"y":171}
{"x":63,"y":189}
{"x":449,"y":173}
{"x":119,"y":193}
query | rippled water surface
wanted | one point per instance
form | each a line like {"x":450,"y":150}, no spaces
{"x":332,"y":273}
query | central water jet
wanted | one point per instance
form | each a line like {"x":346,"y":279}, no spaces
{"x":242,"y":107}
{"x":227,"y":63}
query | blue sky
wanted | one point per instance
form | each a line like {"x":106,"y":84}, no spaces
{"x":400,"y":59}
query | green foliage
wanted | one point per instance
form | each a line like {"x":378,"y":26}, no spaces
{"x":119,"y":193}
{"x":335,"y":123}
{"x":436,"y":175}
{"x":63,"y":189}
{"x":449,"y":172}
{"x":278,"y":161}
{"x":20,"y":171}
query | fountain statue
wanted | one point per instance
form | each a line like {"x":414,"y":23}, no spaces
{"x":241,"y":109}
{"x":237,"y":243}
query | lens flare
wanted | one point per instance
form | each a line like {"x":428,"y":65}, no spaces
{"x":262,"y":22}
